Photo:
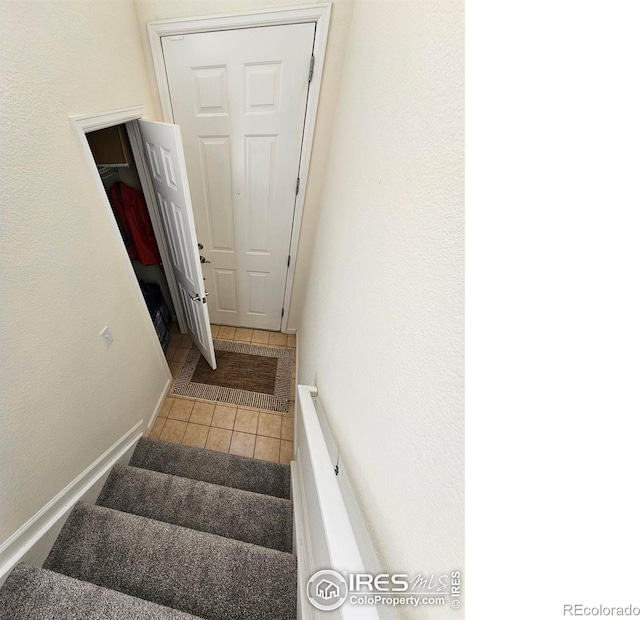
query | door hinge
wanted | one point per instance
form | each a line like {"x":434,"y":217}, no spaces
{"x":288,"y":260}
{"x":313,"y":62}
{"x":282,"y":314}
{"x":297,"y":186}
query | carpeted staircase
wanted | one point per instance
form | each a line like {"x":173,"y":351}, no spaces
{"x":180,"y":532}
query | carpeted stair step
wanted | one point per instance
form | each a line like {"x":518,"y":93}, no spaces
{"x":32,"y":593}
{"x":251,"y":517}
{"x":196,"y":572}
{"x":214,"y":467}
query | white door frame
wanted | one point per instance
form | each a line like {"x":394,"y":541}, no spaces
{"x":318,"y":14}
{"x":86,"y":123}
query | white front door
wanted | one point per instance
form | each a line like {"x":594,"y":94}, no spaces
{"x":240,"y":97}
{"x":162,"y":148}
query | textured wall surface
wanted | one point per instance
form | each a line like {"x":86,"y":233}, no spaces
{"x":65,"y":398}
{"x":149,"y":10}
{"x":382,"y":327}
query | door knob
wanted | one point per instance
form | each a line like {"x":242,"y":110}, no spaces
{"x":203,"y":260}
{"x":197,"y":297}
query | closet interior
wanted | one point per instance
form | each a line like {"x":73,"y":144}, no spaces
{"x":111,"y":150}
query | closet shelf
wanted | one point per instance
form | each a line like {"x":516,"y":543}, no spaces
{"x":108,"y":171}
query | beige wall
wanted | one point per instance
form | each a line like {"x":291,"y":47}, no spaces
{"x":149,"y":10}
{"x":65,"y":398}
{"x":382,"y":328}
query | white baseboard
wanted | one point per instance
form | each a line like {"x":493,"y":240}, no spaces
{"x":156,"y":411}
{"x":33,"y":541}
{"x":301,"y":543}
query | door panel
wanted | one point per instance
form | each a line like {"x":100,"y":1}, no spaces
{"x":162,"y":147}
{"x":216,"y":159}
{"x":226,"y":297}
{"x":239,"y":97}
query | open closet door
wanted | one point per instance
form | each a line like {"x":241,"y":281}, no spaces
{"x":162,"y":146}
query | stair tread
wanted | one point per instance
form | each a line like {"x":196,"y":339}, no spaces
{"x":234,"y":513}
{"x":33,"y":593}
{"x":214,"y":467}
{"x":196,"y":572}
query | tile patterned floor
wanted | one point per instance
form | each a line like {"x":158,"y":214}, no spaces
{"x":255,"y":433}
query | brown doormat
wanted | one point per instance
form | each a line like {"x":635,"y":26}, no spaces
{"x":247,"y":375}
{"x":240,"y":371}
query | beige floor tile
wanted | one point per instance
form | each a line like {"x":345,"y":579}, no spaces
{"x":267,"y":449}
{"x":173,"y":431}
{"x":181,"y":409}
{"x":202,"y":413}
{"x":180,"y":355}
{"x":246,"y":420}
{"x":227,"y":333}
{"x":291,"y":341}
{"x":195,"y":435}
{"x":214,"y":330}
{"x":171,"y":349}
{"x":287,"y":429}
{"x":183,"y":341}
{"x":166,"y":407}
{"x":243,"y":334}
{"x":156,"y":430}
{"x":242,"y":444}
{"x":286,"y":452}
{"x":219,"y":439}
{"x":269,"y":425}
{"x":277,"y":339}
{"x":175,"y":368}
{"x":259,"y":337}
{"x":174,"y":329}
{"x":224,"y":416}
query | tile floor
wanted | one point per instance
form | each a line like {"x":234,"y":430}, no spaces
{"x":255,"y":433}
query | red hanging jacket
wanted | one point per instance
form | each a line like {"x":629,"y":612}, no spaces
{"x":131,"y":210}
